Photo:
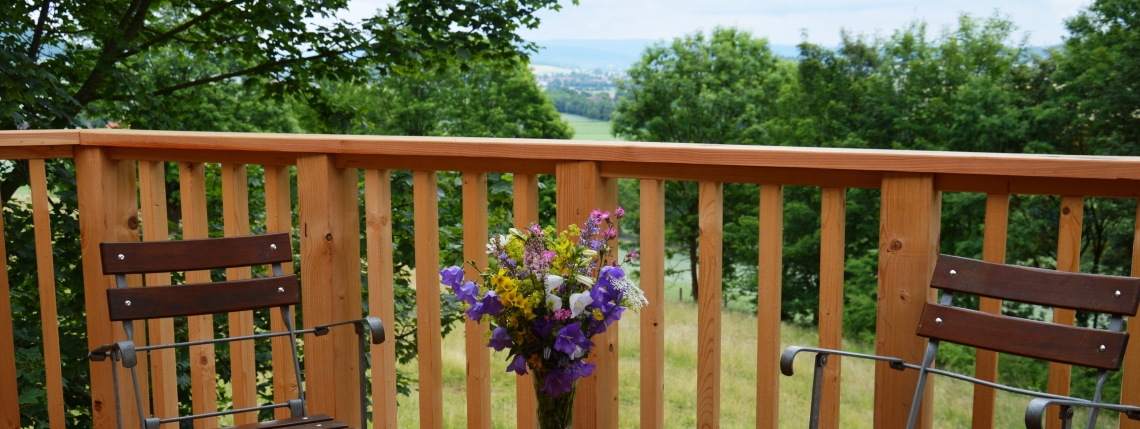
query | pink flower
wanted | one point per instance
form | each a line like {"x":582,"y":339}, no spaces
{"x":619,"y":212}
{"x":609,"y":234}
{"x":562,"y":315}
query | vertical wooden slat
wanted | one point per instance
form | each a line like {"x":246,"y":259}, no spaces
{"x":1130,"y":388}
{"x":653,"y":314}
{"x":45,"y":270}
{"x":578,"y":186}
{"x":330,"y":251}
{"x":1068,"y":259}
{"x":426,"y":207}
{"x":381,"y":293}
{"x":525,"y":212}
{"x":711,"y":221}
{"x":770,"y":283}
{"x":152,"y":206}
{"x":279,"y":218}
{"x":832,"y":242}
{"x":235,"y":222}
{"x":108,"y":211}
{"x":474,"y":249}
{"x":908,"y":249}
{"x":605,"y":351}
{"x":986,"y":366}
{"x":9,"y":396}
{"x":195,"y":224}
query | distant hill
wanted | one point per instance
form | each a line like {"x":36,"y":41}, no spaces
{"x":608,"y":55}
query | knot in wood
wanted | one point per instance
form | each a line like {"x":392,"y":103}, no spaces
{"x":133,"y":222}
{"x":896,"y":245}
{"x":328,"y":237}
{"x":1065,"y":210}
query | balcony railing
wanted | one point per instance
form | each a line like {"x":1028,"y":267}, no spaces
{"x":120,"y":178}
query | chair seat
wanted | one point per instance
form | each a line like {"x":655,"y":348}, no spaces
{"x":318,"y":421}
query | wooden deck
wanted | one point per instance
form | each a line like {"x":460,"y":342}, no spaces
{"x":121,"y":179}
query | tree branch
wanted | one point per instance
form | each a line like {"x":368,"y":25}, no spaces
{"x":256,"y":69}
{"x":131,"y":24}
{"x":183,"y":27}
{"x":37,"y":36}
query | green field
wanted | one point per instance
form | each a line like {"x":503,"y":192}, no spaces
{"x":738,"y":380}
{"x":589,"y":129}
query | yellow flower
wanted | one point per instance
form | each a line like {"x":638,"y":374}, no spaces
{"x":501,"y":282}
{"x":598,"y":314}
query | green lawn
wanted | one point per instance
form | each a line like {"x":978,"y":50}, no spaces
{"x":589,"y":129}
{"x":738,"y":380}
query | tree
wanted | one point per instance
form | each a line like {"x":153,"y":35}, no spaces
{"x":698,"y":89}
{"x":64,"y":63}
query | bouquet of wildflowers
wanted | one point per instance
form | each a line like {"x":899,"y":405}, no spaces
{"x":546,"y":293}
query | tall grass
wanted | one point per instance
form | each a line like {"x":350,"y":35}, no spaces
{"x":953,"y":400}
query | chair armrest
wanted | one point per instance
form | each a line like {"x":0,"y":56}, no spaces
{"x":790,"y":353}
{"x":1035,"y":412}
{"x":125,"y":349}
{"x":374,"y":325}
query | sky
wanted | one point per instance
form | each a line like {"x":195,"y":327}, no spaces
{"x":782,"y":22}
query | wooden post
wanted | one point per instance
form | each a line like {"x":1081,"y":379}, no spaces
{"x":832,"y":255}
{"x":45,"y":274}
{"x":429,"y":335}
{"x":9,"y":396}
{"x":908,"y":250}
{"x":108,"y":211}
{"x":1130,"y":388}
{"x":605,"y":352}
{"x":475,"y":249}
{"x":711,"y":221}
{"x":195,"y":225}
{"x":152,"y":207}
{"x":653,"y":314}
{"x":579,"y":185}
{"x":330,"y":278}
{"x":235,"y":221}
{"x":381,"y":293}
{"x":1068,"y":259}
{"x":768,"y":309}
{"x":279,"y":218}
{"x":525,"y":212}
{"x":986,"y":362}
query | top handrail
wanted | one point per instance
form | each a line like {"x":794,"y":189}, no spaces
{"x":908,"y":161}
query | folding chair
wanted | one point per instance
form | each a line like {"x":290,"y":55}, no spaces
{"x":1102,"y":349}
{"x":155,"y":302}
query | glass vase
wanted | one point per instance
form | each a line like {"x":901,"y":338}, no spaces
{"x":553,"y":413}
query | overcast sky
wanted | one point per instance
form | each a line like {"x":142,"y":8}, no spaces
{"x":782,"y":22}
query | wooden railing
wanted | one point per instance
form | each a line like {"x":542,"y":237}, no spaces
{"x":114,"y":194}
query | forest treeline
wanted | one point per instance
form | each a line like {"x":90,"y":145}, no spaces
{"x":971,"y":87}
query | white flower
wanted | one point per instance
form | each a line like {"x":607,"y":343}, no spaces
{"x":578,"y":303}
{"x":554,"y":302}
{"x":503,"y":240}
{"x":631,"y":295}
{"x":589,"y":253}
{"x":586,"y":280}
{"x":578,"y":352}
{"x":552,"y":282}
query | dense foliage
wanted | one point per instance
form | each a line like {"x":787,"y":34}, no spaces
{"x":971,"y":87}
{"x":597,"y":106}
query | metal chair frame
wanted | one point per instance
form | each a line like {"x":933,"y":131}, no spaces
{"x":1034,"y":413}
{"x":126,"y":353}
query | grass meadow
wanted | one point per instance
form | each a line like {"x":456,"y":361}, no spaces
{"x":738,"y":380}
{"x":589,"y":129}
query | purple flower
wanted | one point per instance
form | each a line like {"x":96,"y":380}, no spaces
{"x":614,"y":314}
{"x":570,"y":339}
{"x":467,"y":292}
{"x":561,"y":381}
{"x":476,"y":311}
{"x":491,"y":303}
{"x":543,"y":327}
{"x":499,"y":339}
{"x":518,"y":365}
{"x":452,"y":276}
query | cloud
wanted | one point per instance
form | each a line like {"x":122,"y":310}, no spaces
{"x":784,"y":22}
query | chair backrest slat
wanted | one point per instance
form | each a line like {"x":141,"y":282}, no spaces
{"x":1076,"y":291}
{"x":158,"y":302}
{"x":1023,"y":337}
{"x":194,"y":255}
